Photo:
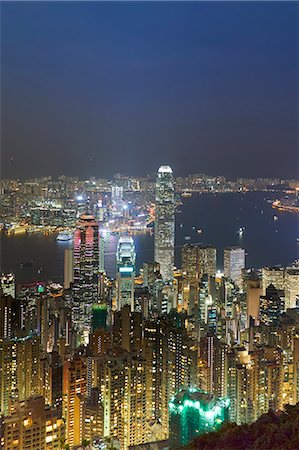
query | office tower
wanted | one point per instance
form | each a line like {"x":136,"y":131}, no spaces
{"x":193,"y":412}
{"x":32,"y":426}
{"x":234,"y":262}
{"x":272,"y":275}
{"x":8,"y":284}
{"x":207,"y":260}
{"x":122,"y":381}
{"x":68,"y":268}
{"x":74,"y":383}
{"x":20,"y":374}
{"x":291,"y":287}
{"x":127,"y":329}
{"x":271,"y":307}
{"x":125,"y":278}
{"x":164,"y":222}
{"x":86,"y":274}
{"x":117,"y":200}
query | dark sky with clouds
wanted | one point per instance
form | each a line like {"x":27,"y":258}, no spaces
{"x":99,"y":88}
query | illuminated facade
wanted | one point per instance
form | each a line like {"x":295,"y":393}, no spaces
{"x":117,"y":193}
{"x":234,"y":262}
{"x":122,"y":381}
{"x":86,"y":274}
{"x":165,"y":222}
{"x":125,"y":261}
{"x":172,"y":364}
{"x":272,"y":275}
{"x":8,"y":284}
{"x":32,"y":426}
{"x":193,"y":412}
{"x":74,"y":384}
{"x":20,"y":374}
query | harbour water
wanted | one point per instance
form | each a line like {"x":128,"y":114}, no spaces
{"x":219,"y":216}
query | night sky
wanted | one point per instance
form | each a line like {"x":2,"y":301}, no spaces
{"x":91,"y":89}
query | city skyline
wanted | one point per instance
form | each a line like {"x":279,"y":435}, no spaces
{"x":149,"y":201}
{"x":211,"y":86}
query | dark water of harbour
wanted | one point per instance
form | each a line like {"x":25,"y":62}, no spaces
{"x":267,"y":242}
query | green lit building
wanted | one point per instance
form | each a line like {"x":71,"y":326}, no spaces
{"x":99,"y":317}
{"x":193,"y":412}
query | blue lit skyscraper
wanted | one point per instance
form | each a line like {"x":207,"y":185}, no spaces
{"x":164,"y":223}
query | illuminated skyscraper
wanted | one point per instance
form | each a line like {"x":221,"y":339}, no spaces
{"x":74,"y":383}
{"x":125,"y":261}
{"x":234,"y":262}
{"x":164,"y":223}
{"x":86,"y":274}
{"x":117,"y":200}
{"x":20,"y":370}
{"x":123,"y":384}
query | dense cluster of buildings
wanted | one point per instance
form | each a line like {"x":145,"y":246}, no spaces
{"x":156,"y":356}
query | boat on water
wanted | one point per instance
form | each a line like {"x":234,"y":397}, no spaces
{"x":64,"y":236}
{"x":186,"y":194}
{"x":187,"y":238}
{"x":241,"y":231}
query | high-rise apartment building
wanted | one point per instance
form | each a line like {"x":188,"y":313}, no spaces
{"x":20,"y":374}
{"x":234,"y":262}
{"x":74,"y":384}
{"x":31,"y":425}
{"x":125,"y":279}
{"x":86,"y":274}
{"x":122,"y":381}
{"x":165,"y":222}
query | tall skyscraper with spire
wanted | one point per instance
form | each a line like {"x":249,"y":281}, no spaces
{"x":86,"y":274}
{"x":164,"y":222}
